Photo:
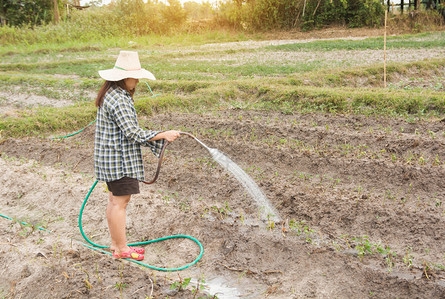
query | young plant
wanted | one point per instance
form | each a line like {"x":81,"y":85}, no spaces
{"x":120,"y":285}
{"x":199,"y":286}
{"x":86,"y":280}
{"x":363,"y":246}
{"x":408,"y":258}
{"x":300,"y":227}
{"x":270,"y":222}
{"x":223,"y":211}
{"x":181,"y":284}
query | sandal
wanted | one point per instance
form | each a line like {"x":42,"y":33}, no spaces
{"x":130,"y":254}
{"x":138,"y":250}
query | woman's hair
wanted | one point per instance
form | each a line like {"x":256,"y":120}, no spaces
{"x":107,"y":85}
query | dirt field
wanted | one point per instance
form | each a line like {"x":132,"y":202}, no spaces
{"x":359,"y":199}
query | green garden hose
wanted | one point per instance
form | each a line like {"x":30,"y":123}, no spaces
{"x":23,"y":223}
{"x":74,"y":133}
{"x":100,"y":248}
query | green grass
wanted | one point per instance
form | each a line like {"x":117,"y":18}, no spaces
{"x":432,"y":40}
{"x":197,"y":78}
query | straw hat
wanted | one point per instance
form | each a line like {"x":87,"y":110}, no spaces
{"x":127,"y":66}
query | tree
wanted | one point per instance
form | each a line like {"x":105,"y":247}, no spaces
{"x":26,"y":12}
{"x":174,"y":14}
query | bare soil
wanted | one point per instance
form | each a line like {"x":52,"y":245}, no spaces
{"x":359,"y":201}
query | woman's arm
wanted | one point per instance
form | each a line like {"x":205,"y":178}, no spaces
{"x":170,"y":136}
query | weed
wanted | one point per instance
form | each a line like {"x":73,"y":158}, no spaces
{"x":432,"y":134}
{"x":97,"y":273}
{"x":184,"y":206}
{"x":389,"y":195}
{"x":242,"y":274}
{"x":440,"y":267}
{"x":121,"y":285}
{"x":199,"y":286}
{"x":167,"y":198}
{"x":408,"y":258}
{"x":336,"y":246}
{"x":57,"y":250}
{"x":222,"y":211}
{"x":86,"y":280}
{"x":363,"y":246}
{"x":393,"y":158}
{"x":300,"y":227}
{"x":359,"y":189}
{"x":3,"y":295}
{"x":181,"y":284}
{"x":270,"y":222}
{"x":242,"y":218}
{"x":27,"y":228}
{"x":335,"y":182}
{"x":303,"y":176}
{"x":426,"y":269}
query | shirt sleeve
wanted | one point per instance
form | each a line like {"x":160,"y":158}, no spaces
{"x":126,"y":119}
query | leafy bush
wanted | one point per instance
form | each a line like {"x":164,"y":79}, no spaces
{"x":123,"y":18}
{"x":26,"y":12}
{"x":287,"y":14}
{"x":352,"y":13}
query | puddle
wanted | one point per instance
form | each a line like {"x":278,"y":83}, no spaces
{"x":219,"y":288}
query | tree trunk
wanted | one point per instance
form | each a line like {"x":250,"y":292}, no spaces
{"x":56,"y":12}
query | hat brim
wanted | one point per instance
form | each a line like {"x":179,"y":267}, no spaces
{"x":117,"y":74}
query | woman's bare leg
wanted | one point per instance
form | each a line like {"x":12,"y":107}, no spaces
{"x":116,"y":218}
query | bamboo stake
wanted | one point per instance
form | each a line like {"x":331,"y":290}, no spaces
{"x":384,"y":51}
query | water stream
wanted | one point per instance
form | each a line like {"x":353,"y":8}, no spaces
{"x":267,"y":211}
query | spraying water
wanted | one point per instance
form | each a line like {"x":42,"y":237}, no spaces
{"x":267,"y":210}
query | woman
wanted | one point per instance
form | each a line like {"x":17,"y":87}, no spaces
{"x":117,"y":146}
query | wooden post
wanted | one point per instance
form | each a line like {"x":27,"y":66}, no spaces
{"x":384,"y":51}
{"x":56,"y":12}
{"x":304,"y":7}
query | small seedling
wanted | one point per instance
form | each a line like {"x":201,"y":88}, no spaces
{"x":120,"y":286}
{"x":363,"y":246}
{"x":270,"y":224}
{"x":181,"y":284}
{"x":408,"y":258}
{"x":300,"y":227}
{"x":199,"y":286}
{"x":86,"y":280}
{"x":223,"y":211}
{"x":242,"y":218}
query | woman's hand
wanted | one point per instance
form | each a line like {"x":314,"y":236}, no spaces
{"x":170,"y":136}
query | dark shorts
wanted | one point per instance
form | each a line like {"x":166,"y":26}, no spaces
{"x":124,"y":186}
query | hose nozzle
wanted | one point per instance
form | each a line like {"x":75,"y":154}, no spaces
{"x":197,"y":140}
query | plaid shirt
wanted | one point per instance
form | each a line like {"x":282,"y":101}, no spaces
{"x":118,"y":139}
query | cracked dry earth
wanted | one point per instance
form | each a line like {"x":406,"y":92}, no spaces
{"x":360,"y":202}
